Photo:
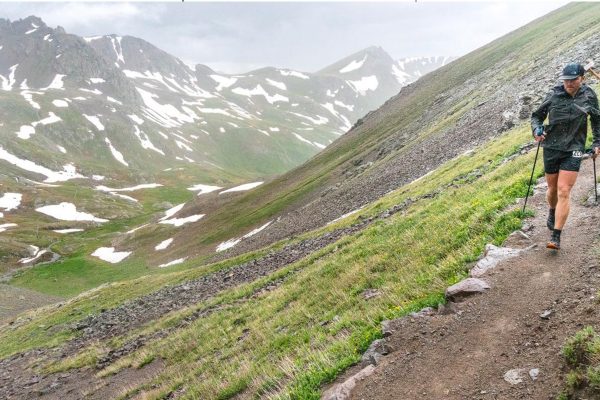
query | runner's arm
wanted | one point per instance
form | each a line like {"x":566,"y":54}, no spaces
{"x":539,"y":115}
{"x":595,"y":121}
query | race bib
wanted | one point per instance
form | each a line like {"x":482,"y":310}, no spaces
{"x":577,"y":154}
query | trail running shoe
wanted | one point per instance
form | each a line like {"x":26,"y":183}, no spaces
{"x":554,"y":242}
{"x":550,"y":220}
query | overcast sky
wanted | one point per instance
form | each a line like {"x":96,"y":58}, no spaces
{"x":238,"y":37}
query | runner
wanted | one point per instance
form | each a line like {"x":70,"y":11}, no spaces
{"x":563,"y":139}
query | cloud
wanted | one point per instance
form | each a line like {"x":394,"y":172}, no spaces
{"x":234,"y":37}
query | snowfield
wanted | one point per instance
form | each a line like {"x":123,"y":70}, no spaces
{"x":164,"y":244}
{"x":203,"y":188}
{"x":68,"y":173}
{"x":241,"y":188}
{"x":67,"y":212}
{"x":110,"y":255}
{"x":10,"y":201}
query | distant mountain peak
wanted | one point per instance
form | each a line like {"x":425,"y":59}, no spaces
{"x":23,"y":26}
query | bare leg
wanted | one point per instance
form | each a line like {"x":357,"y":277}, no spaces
{"x":551,"y":193}
{"x":566,"y":180}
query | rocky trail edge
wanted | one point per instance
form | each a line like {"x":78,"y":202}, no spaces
{"x":504,"y":343}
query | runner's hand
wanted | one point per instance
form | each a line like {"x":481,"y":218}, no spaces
{"x":595,"y":152}
{"x":538,"y":134}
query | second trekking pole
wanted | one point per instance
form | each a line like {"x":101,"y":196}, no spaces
{"x":595,"y":182}
{"x":531,"y":178}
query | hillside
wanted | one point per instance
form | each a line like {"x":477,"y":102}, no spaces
{"x":298,"y":293}
{"x":509,"y":342}
{"x":109,"y":133}
{"x":442,"y":115}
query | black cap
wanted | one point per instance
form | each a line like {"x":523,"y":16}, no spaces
{"x":572,"y":71}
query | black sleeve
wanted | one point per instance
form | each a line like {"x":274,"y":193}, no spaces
{"x":595,"y":120}
{"x":539,"y":114}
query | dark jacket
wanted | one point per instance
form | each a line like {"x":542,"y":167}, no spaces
{"x":567,"y":118}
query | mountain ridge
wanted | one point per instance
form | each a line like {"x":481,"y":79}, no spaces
{"x":374,"y":227}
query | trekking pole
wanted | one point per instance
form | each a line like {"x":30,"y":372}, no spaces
{"x":595,"y":181}
{"x":531,"y":178}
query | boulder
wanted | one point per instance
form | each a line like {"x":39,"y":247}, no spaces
{"x":492,"y":256}
{"x":515,"y":376}
{"x":466,"y":288}
{"x":386,"y":328}
{"x":342,"y":391}
{"x":376,"y":350}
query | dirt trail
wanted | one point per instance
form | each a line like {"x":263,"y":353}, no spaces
{"x":465,"y":355}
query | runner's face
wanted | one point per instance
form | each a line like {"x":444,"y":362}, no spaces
{"x":572,"y":85}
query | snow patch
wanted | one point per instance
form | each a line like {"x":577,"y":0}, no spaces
{"x":95,"y":91}
{"x":345,"y":215}
{"x":50,"y":119}
{"x":26,"y":132}
{"x":174,"y":262}
{"x":136,"y":119}
{"x":129,"y":189}
{"x":203,"y":188}
{"x":164,"y":114}
{"x":294,"y":73}
{"x":110,"y":255}
{"x":340,"y":104}
{"x":243,"y":187}
{"x":129,"y":198}
{"x":320,"y":121}
{"x":228,"y":244}
{"x":401,"y":76}
{"x":260,"y":91}
{"x":182,"y":221}
{"x":68,"y":173}
{"x":90,"y":38}
{"x":10,"y":201}
{"x":172,"y":211}
{"x":164,"y":244}
{"x":277,"y":84}
{"x":354,"y":65}
{"x":72,"y":230}
{"x":137,"y":229}
{"x":4,"y":227}
{"x":67,"y":212}
{"x":36,"y":253}
{"x":223,"y":81}
{"x":118,"y":51}
{"x":145,"y":141}
{"x":347,"y":125}
{"x":7,"y":84}
{"x":302,"y":139}
{"x":183,"y":146}
{"x":95,"y":121}
{"x":28,"y":96}
{"x":232,"y":242}
{"x":113,"y":100}
{"x":366,"y":83}
{"x":116,"y":153}
{"x":60,"y":103}
{"x":56,"y":83}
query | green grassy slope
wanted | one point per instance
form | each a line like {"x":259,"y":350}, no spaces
{"x":316,"y":322}
{"x":402,"y":116}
